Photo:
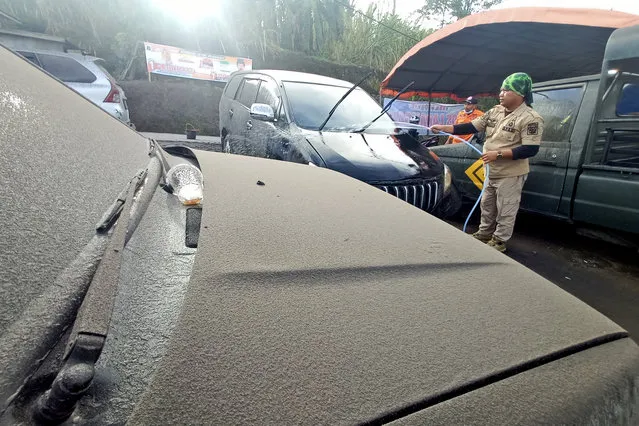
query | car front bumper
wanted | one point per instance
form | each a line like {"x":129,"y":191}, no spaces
{"x":425,"y":195}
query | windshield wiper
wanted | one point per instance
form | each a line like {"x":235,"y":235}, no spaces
{"x":355,"y":86}
{"x":89,"y":331}
{"x":385,"y":109}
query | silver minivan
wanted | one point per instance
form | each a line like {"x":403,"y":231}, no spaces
{"x":86,"y":75}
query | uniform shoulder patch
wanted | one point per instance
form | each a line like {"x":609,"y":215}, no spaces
{"x":532,"y":128}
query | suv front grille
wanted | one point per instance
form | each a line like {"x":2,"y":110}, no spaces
{"x":424,"y":196}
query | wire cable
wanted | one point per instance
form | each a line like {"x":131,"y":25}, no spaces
{"x":486,"y":172}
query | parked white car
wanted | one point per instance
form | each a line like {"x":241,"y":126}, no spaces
{"x":87,"y":76}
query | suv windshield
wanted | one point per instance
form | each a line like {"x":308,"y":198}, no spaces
{"x":310,"y":104}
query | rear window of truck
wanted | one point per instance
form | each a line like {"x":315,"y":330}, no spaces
{"x":628,"y":105}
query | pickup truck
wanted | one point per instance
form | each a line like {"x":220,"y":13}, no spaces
{"x":587,"y":168}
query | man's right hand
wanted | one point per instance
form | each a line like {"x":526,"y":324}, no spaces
{"x":446,"y":128}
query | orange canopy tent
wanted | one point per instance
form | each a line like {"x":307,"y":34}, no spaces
{"x":473,"y":55}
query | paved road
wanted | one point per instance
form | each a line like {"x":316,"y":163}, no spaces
{"x":602,"y":275}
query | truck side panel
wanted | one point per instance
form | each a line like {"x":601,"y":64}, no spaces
{"x":608,"y":186}
{"x":608,"y":198}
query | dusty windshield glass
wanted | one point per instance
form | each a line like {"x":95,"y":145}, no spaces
{"x":310,"y":104}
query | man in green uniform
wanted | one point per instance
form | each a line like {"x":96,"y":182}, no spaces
{"x":513,"y":134}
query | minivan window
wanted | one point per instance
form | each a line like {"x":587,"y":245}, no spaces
{"x":311,"y":103}
{"x":232,"y":86}
{"x":268,"y":94}
{"x":249,"y":92}
{"x":100,"y":65}
{"x":31,"y":57}
{"x":66,"y":69}
{"x":559,"y":108}
{"x":628,"y":105}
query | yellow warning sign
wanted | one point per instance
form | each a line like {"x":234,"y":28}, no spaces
{"x":476,"y":173}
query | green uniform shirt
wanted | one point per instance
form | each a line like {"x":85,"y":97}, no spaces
{"x":523,"y":126}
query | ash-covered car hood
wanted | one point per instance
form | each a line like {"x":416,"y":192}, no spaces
{"x":316,"y":299}
{"x":62,"y":161}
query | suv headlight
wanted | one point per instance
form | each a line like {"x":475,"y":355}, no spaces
{"x":448,"y":178}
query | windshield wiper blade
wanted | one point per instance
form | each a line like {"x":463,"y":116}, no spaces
{"x":114,"y":210}
{"x":355,"y":86}
{"x":385,"y":109}
{"x":89,"y":331}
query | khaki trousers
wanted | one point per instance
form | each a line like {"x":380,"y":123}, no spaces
{"x":499,"y":206}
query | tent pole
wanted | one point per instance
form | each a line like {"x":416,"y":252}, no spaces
{"x":429,"y":101}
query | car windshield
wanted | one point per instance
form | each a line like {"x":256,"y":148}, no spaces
{"x":310,"y":104}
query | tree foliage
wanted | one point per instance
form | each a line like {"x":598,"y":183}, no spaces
{"x":331,"y":29}
{"x":447,"y":11}
{"x":377,"y":43}
{"x":244,"y":27}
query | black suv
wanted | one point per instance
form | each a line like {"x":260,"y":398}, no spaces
{"x":305,"y":118}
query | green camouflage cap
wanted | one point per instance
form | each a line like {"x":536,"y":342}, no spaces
{"x":520,"y":83}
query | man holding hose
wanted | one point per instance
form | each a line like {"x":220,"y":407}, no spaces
{"x":513,"y":134}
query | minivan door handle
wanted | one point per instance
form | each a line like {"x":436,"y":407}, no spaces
{"x":249,"y":125}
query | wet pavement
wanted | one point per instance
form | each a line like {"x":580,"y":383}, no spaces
{"x":603,"y":275}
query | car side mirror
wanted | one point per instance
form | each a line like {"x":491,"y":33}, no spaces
{"x":262,"y":112}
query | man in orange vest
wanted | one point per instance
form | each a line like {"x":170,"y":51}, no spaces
{"x":468,"y":114}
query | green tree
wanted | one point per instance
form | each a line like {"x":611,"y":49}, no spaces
{"x":447,"y":11}
{"x":113,"y":29}
{"x":377,"y":43}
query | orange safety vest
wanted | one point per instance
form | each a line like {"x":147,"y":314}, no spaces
{"x":464,"y":117}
